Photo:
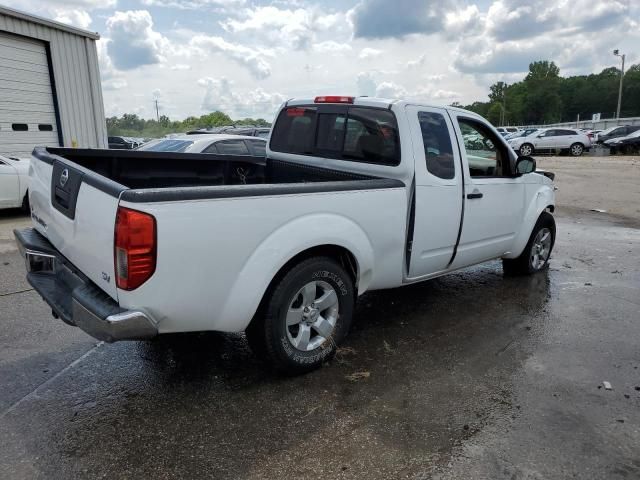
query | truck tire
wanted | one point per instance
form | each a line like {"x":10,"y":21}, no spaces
{"x":306,"y":315}
{"x":535,"y":256}
{"x":25,"y":203}
{"x":576,"y":149}
{"x":526,"y":149}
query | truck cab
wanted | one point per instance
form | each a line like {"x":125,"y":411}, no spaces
{"x":460,"y":174}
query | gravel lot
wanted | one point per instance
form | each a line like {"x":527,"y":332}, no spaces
{"x":470,"y":376}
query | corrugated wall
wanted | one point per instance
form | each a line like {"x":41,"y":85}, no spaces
{"x":76,"y":74}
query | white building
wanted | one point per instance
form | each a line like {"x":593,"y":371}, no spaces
{"x":50,"y":91}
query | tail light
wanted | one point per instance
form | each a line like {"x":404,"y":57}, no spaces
{"x":134,"y":248}
{"x":334,"y":99}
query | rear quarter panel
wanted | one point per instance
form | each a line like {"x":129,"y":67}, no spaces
{"x":216,"y":257}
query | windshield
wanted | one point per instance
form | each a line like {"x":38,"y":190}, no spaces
{"x":167,"y":145}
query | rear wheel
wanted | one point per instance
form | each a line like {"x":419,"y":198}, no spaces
{"x":526,"y":149}
{"x":306,"y":316}
{"x":535,"y":256}
{"x":576,"y":149}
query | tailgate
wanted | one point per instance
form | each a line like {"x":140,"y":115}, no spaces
{"x":75,"y":209}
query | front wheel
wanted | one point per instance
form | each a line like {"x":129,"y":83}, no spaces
{"x":535,"y":256}
{"x":576,"y":149}
{"x":526,"y":149}
{"x":307,"y":315}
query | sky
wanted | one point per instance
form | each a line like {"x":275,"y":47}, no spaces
{"x":245,"y":57}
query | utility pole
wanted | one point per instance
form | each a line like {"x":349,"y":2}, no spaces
{"x":157,"y":113}
{"x":617,"y":54}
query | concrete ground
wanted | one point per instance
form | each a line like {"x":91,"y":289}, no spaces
{"x":469,"y":376}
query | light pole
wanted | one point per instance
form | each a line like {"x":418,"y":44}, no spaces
{"x":616,"y":52}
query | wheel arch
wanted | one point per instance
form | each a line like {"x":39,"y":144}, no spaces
{"x":349,"y":245}
{"x":542,"y":201}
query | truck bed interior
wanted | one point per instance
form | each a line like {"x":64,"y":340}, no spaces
{"x":144,"y":170}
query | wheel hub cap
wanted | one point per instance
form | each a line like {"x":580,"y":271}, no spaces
{"x":541,"y":249}
{"x":312,"y":315}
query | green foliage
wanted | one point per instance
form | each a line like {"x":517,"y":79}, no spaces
{"x":543,"y":96}
{"x":130,"y":125}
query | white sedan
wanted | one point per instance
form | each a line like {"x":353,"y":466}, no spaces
{"x":14,"y":183}
{"x":209,"y":143}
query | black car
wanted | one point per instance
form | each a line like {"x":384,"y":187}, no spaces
{"x":615,"y":132}
{"x":121,"y":143}
{"x":250,"y":131}
{"x":629,"y":144}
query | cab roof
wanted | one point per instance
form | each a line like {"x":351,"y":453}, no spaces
{"x":364,"y":101}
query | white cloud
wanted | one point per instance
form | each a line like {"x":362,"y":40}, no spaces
{"x":252,"y":59}
{"x":221,"y":5}
{"x":220,"y":95}
{"x":132,"y":40}
{"x":418,"y":62}
{"x":366,"y":84}
{"x":331,"y":46}
{"x":77,"y":18}
{"x":180,"y":66}
{"x":295,"y":28}
{"x":369,"y":52}
{"x":390,"y":90}
{"x":466,"y":21}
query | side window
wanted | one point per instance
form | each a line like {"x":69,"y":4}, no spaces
{"x":232,"y":147}
{"x":259,"y":148}
{"x":486,"y":156}
{"x":211,"y":149}
{"x":437,"y":145}
{"x":372,"y":136}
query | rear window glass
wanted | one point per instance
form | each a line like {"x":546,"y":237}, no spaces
{"x":168,"y":145}
{"x":232,"y":147}
{"x":357,"y":134}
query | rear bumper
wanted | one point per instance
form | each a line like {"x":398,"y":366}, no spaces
{"x":74,"y":298}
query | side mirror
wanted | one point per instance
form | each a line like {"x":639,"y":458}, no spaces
{"x":525,"y":165}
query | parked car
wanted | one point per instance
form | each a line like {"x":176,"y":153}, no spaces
{"x":521,"y":133}
{"x":357,"y":194}
{"x":504,"y":131}
{"x":209,"y":143}
{"x":552,"y":140}
{"x":14,"y":183}
{"x":250,"y":131}
{"x":617,"y":132}
{"x":121,"y":143}
{"x":627,"y":145}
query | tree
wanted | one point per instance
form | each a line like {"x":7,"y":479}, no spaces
{"x":545,"y":97}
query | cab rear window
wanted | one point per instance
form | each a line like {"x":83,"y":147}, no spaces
{"x":360,"y":134}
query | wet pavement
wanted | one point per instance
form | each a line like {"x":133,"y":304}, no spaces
{"x":474,"y":375}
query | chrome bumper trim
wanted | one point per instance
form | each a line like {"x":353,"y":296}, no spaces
{"x":128,"y":325}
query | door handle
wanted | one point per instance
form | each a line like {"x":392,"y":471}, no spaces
{"x":473,"y":195}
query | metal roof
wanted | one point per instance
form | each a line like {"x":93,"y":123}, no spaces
{"x":10,"y":12}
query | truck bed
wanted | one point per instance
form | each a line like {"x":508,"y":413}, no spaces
{"x":143,"y":170}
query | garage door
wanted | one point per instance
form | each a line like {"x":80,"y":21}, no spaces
{"x":27,"y":115}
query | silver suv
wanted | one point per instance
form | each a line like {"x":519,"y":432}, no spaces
{"x":552,"y":140}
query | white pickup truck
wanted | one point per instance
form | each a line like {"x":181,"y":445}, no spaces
{"x":355,"y":194}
